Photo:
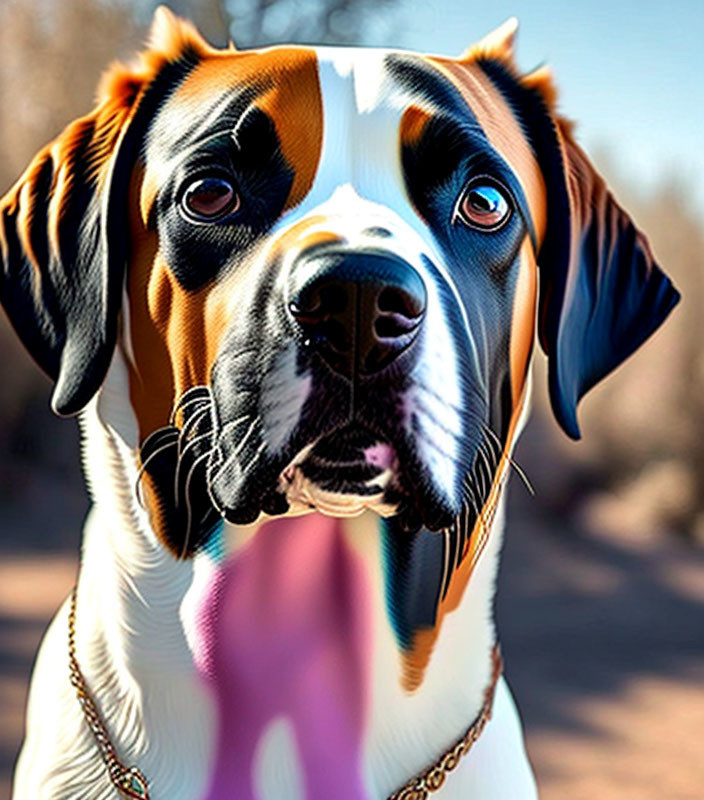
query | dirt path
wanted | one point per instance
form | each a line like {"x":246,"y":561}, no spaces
{"x":604,"y":645}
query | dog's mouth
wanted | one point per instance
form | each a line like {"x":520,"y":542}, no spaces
{"x":342,"y":474}
{"x":200,"y":470}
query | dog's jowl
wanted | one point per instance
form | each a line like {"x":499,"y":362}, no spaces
{"x":292,"y":294}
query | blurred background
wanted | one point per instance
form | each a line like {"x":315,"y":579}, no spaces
{"x":601,"y":597}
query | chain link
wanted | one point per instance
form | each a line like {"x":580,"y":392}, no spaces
{"x":129,"y":781}
{"x":428,"y":782}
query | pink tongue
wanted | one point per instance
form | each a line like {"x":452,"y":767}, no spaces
{"x":381,"y":455}
{"x":285,"y":630}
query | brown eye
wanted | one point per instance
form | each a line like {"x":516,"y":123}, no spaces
{"x":208,"y":199}
{"x":483,"y":205}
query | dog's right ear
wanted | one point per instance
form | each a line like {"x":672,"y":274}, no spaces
{"x":63,"y":225}
{"x":62,"y":234}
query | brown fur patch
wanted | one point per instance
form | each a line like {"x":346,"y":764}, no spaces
{"x":413,"y":123}
{"x":503,"y":132}
{"x":175,"y":334}
{"x":291,"y":98}
{"x":523,"y":321}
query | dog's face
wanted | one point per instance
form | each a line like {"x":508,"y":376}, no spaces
{"x":339,"y":289}
{"x":331,"y":268}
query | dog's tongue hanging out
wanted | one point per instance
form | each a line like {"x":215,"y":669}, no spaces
{"x":283,"y":639}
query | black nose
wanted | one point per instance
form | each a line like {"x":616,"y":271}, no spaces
{"x":359,"y":309}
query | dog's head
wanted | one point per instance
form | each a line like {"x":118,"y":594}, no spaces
{"x":322,"y":269}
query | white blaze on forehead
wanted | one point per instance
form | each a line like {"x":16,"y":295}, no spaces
{"x":360,"y":184}
{"x":360,"y":128}
{"x":360,"y":176}
{"x":365,"y":69}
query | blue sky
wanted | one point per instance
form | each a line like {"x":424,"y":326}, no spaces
{"x":630,"y":73}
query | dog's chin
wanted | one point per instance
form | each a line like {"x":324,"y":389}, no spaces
{"x":339,"y":489}
{"x":303,"y":495}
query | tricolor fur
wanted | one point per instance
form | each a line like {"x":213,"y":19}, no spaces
{"x":237,"y":645}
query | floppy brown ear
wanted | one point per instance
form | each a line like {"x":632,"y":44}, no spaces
{"x":601,"y":292}
{"x":63,"y":240}
{"x":60,"y":282}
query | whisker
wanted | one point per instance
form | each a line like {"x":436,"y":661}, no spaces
{"x":231,"y":426}
{"x":142,"y":469}
{"x":522,"y":475}
{"x":471,"y":494}
{"x":150,"y":440}
{"x":444,"y":583}
{"x":208,"y":487}
{"x":181,"y":457}
{"x":481,"y":543}
{"x":203,"y":395}
{"x":201,"y":390}
{"x":250,"y":463}
{"x":512,"y":461}
{"x":489,"y":457}
{"x":192,"y":422}
{"x":241,"y":445}
{"x":464,"y":534}
{"x":181,"y":408}
{"x":189,"y":509}
{"x":494,"y":437}
{"x":482,"y":479}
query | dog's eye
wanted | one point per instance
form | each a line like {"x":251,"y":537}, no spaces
{"x":483,"y":205}
{"x":208,"y":199}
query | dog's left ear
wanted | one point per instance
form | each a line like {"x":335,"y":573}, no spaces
{"x":601,"y":292}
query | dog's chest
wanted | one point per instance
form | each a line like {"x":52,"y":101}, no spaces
{"x":282,"y":639}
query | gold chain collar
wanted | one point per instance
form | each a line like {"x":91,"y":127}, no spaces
{"x":433,"y":778}
{"x":130,"y":781}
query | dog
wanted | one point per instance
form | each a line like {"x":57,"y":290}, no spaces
{"x":292,"y":295}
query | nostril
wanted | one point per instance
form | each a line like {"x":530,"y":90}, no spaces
{"x":333,"y":299}
{"x":333,"y":333}
{"x":399,"y":301}
{"x":319,"y":303}
{"x":392,"y":327}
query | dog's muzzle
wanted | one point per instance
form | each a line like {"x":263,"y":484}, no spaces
{"x":315,"y":408}
{"x":356,"y":311}
{"x":359,"y":310}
